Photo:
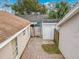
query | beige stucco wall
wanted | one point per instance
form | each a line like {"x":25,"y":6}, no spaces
{"x":7,"y":51}
{"x":69,"y":38}
{"x":22,"y":41}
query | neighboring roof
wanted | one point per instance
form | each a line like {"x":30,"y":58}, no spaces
{"x":71,"y":13}
{"x":36,"y":18}
{"x":10,"y":24}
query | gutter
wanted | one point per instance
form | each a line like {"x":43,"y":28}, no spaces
{"x":12,"y":37}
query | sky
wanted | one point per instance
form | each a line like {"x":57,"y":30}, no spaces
{"x":45,"y":1}
{"x":13,"y":1}
{"x":70,"y":1}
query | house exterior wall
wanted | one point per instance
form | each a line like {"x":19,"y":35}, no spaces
{"x":69,"y":38}
{"x":6,"y":52}
{"x":22,"y":39}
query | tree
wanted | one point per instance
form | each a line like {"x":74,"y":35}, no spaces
{"x":61,"y":9}
{"x":27,"y":6}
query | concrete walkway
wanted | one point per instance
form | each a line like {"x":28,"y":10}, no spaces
{"x":35,"y":51}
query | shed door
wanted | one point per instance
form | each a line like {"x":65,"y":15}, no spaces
{"x":48,"y":31}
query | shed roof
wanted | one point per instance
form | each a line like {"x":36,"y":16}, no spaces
{"x":71,"y":13}
{"x":10,"y":24}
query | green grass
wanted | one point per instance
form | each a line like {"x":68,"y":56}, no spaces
{"x":51,"y":48}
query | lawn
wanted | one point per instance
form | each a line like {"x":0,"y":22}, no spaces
{"x":51,"y":48}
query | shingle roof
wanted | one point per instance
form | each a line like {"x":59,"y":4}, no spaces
{"x":10,"y":24}
{"x":36,"y":18}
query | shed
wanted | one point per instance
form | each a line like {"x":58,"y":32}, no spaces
{"x":48,"y":31}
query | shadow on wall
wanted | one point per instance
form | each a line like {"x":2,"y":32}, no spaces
{"x":56,"y":37}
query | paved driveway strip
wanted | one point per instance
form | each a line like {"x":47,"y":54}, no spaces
{"x":35,"y":51}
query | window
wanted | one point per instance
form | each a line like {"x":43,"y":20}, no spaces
{"x":15,"y":47}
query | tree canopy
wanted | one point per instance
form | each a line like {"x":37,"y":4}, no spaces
{"x":61,"y":9}
{"x":28,"y":6}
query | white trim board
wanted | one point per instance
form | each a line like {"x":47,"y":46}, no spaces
{"x":12,"y":37}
